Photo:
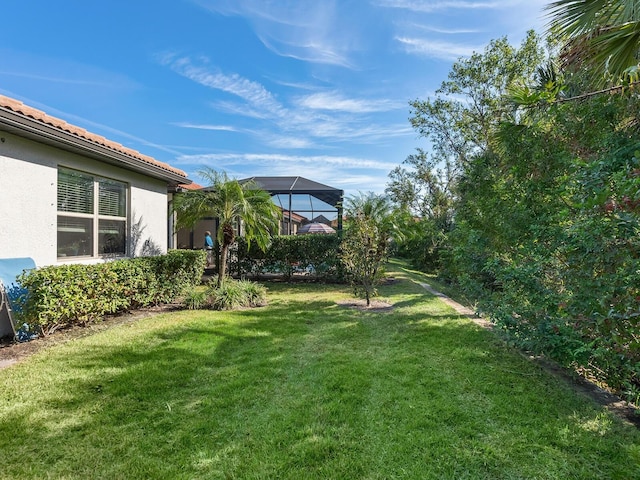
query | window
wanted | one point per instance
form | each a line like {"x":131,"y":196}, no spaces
{"x":92,"y":215}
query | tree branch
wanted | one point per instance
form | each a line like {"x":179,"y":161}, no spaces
{"x":599,"y":92}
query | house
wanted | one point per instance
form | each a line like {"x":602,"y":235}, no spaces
{"x":68,"y":195}
{"x":291,"y":222}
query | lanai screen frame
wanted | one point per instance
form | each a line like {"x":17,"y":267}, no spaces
{"x":301,"y":186}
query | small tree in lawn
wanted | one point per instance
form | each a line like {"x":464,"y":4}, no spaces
{"x":364,"y":250}
{"x":229,"y":201}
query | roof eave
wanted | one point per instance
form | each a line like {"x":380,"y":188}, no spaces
{"x":50,"y":135}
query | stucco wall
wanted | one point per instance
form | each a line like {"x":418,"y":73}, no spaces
{"x":28,"y":199}
{"x":28,"y":192}
{"x":28,"y":204}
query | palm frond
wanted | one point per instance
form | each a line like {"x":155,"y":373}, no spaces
{"x":617,"y":47}
{"x":577,"y":17}
{"x":602,"y":35}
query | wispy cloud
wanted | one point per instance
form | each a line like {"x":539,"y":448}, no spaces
{"x":252,"y":92}
{"x":287,"y":142}
{"x":432,"y":6}
{"x":65,"y":80}
{"x":296,"y":124}
{"x":312,"y":50}
{"x":366,"y":133}
{"x":437,"y":49}
{"x":447,"y":31}
{"x":56,"y":70}
{"x":306,"y":30}
{"x":271,"y":160}
{"x":222,"y":128}
{"x":334,"y":101}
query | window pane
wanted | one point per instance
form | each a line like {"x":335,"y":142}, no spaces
{"x":75,"y":192}
{"x":75,"y":236}
{"x":111,"y":237}
{"x":113,"y":198}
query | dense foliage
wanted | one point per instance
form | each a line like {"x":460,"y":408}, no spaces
{"x":64,"y":295}
{"x":545,"y":201}
{"x":547,"y":238}
{"x":315,"y":256}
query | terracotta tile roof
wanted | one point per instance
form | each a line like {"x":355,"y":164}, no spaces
{"x":191,"y":186}
{"x":294,"y":216}
{"x":19,"y":107}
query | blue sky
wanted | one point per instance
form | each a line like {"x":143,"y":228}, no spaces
{"x":316,"y":88}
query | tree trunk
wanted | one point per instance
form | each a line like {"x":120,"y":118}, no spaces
{"x":367,"y":292}
{"x":228,"y":237}
{"x":222,"y":270}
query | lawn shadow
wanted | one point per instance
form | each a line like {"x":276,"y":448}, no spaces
{"x":213,"y":385}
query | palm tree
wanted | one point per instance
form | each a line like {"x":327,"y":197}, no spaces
{"x":370,"y":229}
{"x":229,"y":201}
{"x":604,"y":34}
{"x":378,"y":210}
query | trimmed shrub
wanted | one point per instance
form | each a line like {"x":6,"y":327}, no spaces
{"x":315,"y":256}
{"x":64,"y":295}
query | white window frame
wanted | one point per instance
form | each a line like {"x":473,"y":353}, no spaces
{"x":91,"y":246}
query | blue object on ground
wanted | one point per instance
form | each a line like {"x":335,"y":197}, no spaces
{"x":24,"y":334}
{"x":10,"y":269}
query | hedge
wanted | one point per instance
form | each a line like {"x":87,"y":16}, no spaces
{"x":314,"y":256}
{"x":65,"y":295}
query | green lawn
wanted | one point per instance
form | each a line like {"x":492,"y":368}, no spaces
{"x":303,"y":389}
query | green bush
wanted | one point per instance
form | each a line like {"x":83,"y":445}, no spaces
{"x":547,"y":238}
{"x":315,"y":256}
{"x":64,"y":295}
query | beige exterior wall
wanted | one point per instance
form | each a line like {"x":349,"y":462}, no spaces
{"x":186,"y":235}
{"x":28,"y":200}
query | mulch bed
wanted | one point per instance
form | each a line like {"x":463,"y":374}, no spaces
{"x":12,"y":352}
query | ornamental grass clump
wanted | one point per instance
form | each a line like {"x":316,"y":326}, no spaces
{"x":196,"y":299}
{"x":234,"y":294}
{"x":230,"y":295}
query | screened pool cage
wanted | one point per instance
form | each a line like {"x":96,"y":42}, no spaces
{"x":303,"y":201}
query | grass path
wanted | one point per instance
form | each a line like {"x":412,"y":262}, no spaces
{"x":303,"y":389}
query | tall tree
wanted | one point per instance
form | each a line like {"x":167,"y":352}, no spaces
{"x":230,"y":202}
{"x":460,"y":119}
{"x":459,"y":122}
{"x":424,"y":192}
{"x":424,"y":188}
